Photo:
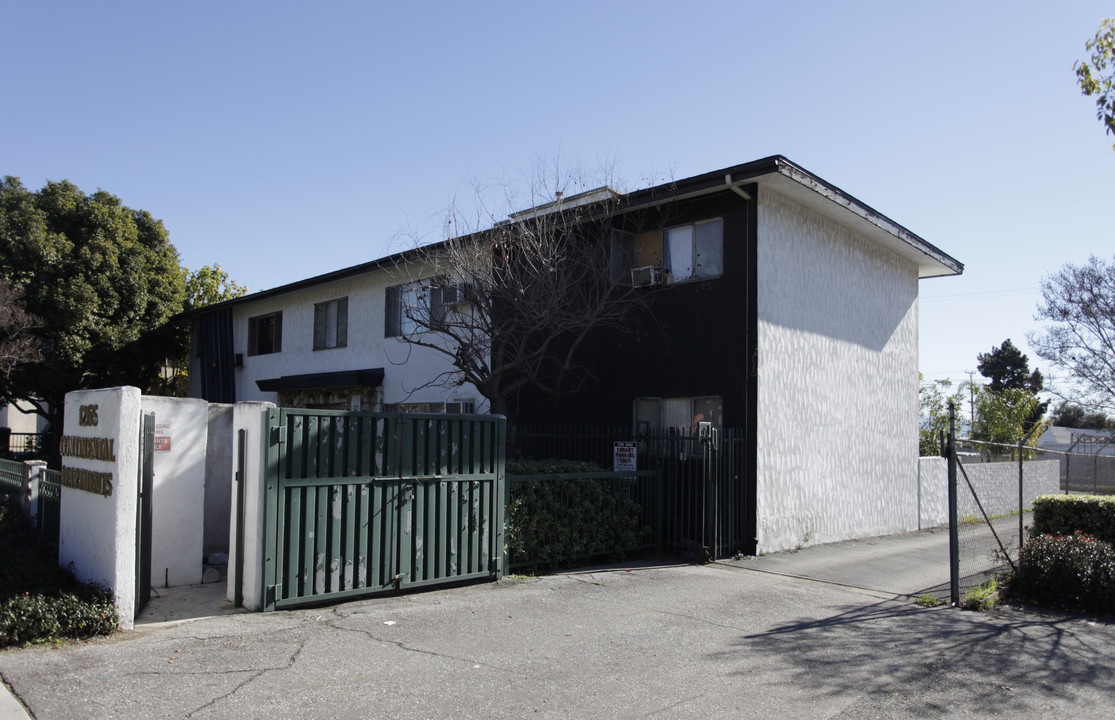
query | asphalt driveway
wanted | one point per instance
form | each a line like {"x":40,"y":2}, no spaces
{"x":734,"y":639}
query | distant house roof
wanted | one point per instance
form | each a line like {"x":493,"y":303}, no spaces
{"x":1056,"y":437}
{"x":776,"y":172}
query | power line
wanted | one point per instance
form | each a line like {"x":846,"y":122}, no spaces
{"x":1010,"y":292}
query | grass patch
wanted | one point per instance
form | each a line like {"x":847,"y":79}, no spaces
{"x":981,"y":598}
{"x":928,"y":600}
{"x":41,"y":602}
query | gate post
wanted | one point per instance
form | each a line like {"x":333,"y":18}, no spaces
{"x":32,"y":473}
{"x":954,"y":529}
{"x":272,"y":436}
{"x":100,"y":493}
{"x":258,"y":469}
{"x":501,"y":498}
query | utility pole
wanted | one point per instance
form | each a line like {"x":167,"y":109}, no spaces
{"x":971,"y":402}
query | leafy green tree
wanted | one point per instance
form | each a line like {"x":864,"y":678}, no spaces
{"x":1074,"y":416}
{"x":934,"y":398}
{"x":1097,"y":78}
{"x":1006,"y":367}
{"x":209,"y":285}
{"x":1006,"y":417}
{"x":104,"y":280}
{"x":1009,"y":369}
{"x":18,"y":344}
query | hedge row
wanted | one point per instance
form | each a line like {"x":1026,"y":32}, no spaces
{"x":560,"y":523}
{"x":1068,"y":514}
{"x":40,"y":601}
{"x":1073,"y":572}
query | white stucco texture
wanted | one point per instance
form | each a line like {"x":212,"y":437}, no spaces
{"x":178,"y":488}
{"x":996,"y":484}
{"x":251,"y":418}
{"x":98,"y":532}
{"x":837,"y":381}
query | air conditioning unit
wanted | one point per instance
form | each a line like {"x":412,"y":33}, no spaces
{"x":646,"y":276}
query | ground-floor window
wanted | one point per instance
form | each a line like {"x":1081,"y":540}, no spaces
{"x":680,"y":413}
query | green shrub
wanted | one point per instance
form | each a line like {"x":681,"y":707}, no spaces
{"x":38,"y":599}
{"x":36,"y":617}
{"x":550,"y":466}
{"x":1068,"y":514}
{"x":1073,"y":572}
{"x":560,"y":522}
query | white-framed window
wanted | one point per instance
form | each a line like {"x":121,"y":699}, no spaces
{"x":331,"y":324}
{"x":265,"y":334}
{"x":695,"y":251}
{"x":418,"y":307}
{"x":461,"y":406}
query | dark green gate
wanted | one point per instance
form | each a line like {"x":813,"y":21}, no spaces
{"x":364,"y":503}
{"x":143,"y":511}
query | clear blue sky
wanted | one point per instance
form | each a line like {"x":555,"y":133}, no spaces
{"x":283,"y":139}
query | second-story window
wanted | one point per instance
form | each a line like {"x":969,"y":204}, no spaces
{"x":331,"y":324}
{"x":675,"y":255}
{"x":419,"y":307}
{"x":695,"y":251}
{"x":265,"y":334}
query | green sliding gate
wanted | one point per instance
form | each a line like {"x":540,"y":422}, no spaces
{"x":363,"y":503}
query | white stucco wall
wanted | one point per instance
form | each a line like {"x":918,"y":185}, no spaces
{"x":996,"y":484}
{"x":98,"y":531}
{"x":407,"y":367}
{"x":178,"y":505}
{"x":933,"y":492}
{"x":837,"y":381}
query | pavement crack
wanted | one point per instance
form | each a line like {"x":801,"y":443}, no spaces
{"x":678,"y":703}
{"x":432,"y":653}
{"x":254,"y":674}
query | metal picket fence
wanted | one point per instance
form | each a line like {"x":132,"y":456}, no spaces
{"x":707,"y":508}
{"x":47,"y":510}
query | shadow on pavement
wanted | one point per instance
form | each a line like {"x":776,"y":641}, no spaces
{"x":977,"y":663}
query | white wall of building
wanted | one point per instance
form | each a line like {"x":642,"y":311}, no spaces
{"x":837,"y":384}
{"x":178,"y":505}
{"x":98,"y":531}
{"x":21,"y":422}
{"x":407,"y":367}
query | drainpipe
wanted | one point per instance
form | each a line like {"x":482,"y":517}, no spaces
{"x":735,"y":188}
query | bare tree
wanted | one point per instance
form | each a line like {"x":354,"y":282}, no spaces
{"x":18,"y":343}
{"x":1079,"y":304}
{"x":512,"y":305}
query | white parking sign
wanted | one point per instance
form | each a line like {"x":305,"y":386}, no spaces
{"x":625,"y":457}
